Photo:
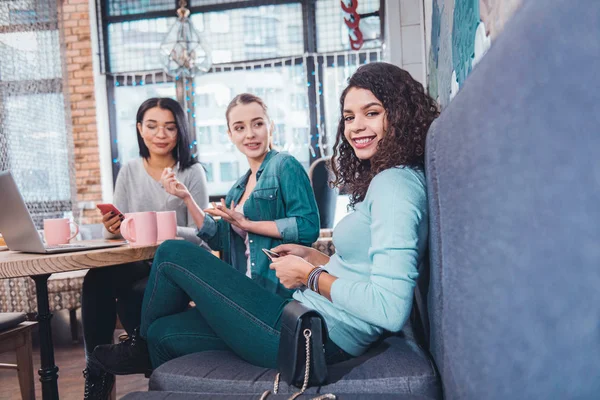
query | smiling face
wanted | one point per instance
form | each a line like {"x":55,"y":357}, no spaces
{"x":249,"y":129}
{"x":365,"y":123}
{"x":159,"y":131}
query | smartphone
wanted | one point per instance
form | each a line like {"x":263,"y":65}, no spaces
{"x":270,"y":254}
{"x":107,"y":207}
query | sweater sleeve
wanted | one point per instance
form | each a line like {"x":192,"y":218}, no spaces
{"x":398,"y":209}
{"x":120,"y":198}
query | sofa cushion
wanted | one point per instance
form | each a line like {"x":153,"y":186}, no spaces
{"x":397,"y":365}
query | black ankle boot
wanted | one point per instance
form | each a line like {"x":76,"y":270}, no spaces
{"x":97,"y":385}
{"x":128,"y":357}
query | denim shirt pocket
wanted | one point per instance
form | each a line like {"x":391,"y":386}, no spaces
{"x":265,"y":200}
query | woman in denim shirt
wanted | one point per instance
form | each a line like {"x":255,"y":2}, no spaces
{"x":363,"y":290}
{"x":273,"y":203}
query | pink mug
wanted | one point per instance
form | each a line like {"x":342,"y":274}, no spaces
{"x":140,"y":228}
{"x":58,"y":231}
{"x":166,"y":222}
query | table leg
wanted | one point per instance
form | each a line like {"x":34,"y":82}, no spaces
{"x":48,"y":372}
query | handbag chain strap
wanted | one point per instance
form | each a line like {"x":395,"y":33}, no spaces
{"x":307,"y":334}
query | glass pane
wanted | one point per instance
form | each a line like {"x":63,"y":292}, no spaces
{"x":127,"y":101}
{"x":17,"y":12}
{"x":252,"y":33}
{"x":135,"y":45}
{"x":284,"y":91}
{"x":212,"y":2}
{"x":38,"y":147}
{"x":30,"y":55}
{"x":124,"y":7}
{"x":233,"y":35}
{"x":332,"y":32}
{"x":229,"y":171}
{"x":335,"y":79}
{"x":209,"y":172}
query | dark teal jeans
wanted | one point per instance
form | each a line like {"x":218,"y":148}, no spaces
{"x":232,"y":311}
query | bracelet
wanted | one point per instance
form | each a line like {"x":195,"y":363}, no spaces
{"x":313,"y":279}
{"x":311,"y":276}
{"x":308,"y":275}
{"x":317,"y":280}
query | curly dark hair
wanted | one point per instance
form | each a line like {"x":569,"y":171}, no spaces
{"x":409,"y":112}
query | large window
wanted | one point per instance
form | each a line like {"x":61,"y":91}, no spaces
{"x":35,"y":140}
{"x":294,"y":54}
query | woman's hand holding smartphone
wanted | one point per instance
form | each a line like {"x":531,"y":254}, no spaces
{"x":111,"y":218}
{"x":271,"y":254}
{"x":313,"y":256}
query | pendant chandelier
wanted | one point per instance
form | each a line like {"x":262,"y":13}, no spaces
{"x":184,"y":53}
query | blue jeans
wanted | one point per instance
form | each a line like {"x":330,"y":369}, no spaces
{"x":231,"y":309}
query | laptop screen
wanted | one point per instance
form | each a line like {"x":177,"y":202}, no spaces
{"x":16,"y":225}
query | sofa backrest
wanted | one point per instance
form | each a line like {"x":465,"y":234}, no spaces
{"x":513,"y":170}
{"x":320,"y":176}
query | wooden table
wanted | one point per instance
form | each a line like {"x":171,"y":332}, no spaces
{"x":39,"y":267}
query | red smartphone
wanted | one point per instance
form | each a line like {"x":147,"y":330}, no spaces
{"x":107,"y":207}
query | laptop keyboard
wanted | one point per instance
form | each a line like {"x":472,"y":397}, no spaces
{"x":64,"y":246}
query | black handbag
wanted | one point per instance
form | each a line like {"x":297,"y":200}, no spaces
{"x":301,"y":357}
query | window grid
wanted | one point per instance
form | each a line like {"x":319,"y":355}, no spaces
{"x":17,"y":12}
{"x":128,"y":7}
{"x":251,"y":33}
{"x":31,"y":81}
{"x":134,"y":45}
{"x":197,"y":3}
{"x":332,"y":33}
{"x":233,"y":35}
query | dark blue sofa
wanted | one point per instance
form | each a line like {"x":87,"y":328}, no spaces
{"x":511,"y":302}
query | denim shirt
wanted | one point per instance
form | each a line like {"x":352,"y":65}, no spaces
{"x":282,"y":194}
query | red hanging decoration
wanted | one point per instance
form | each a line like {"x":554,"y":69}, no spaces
{"x":353,"y":23}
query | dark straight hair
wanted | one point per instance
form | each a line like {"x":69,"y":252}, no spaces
{"x":181,"y":152}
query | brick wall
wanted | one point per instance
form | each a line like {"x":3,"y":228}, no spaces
{"x":76,"y":26}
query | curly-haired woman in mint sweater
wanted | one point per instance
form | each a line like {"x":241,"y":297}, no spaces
{"x":362,"y":290}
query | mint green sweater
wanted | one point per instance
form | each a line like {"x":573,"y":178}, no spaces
{"x":378,"y":250}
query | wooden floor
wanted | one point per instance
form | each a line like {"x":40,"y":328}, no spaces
{"x":70,"y":360}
